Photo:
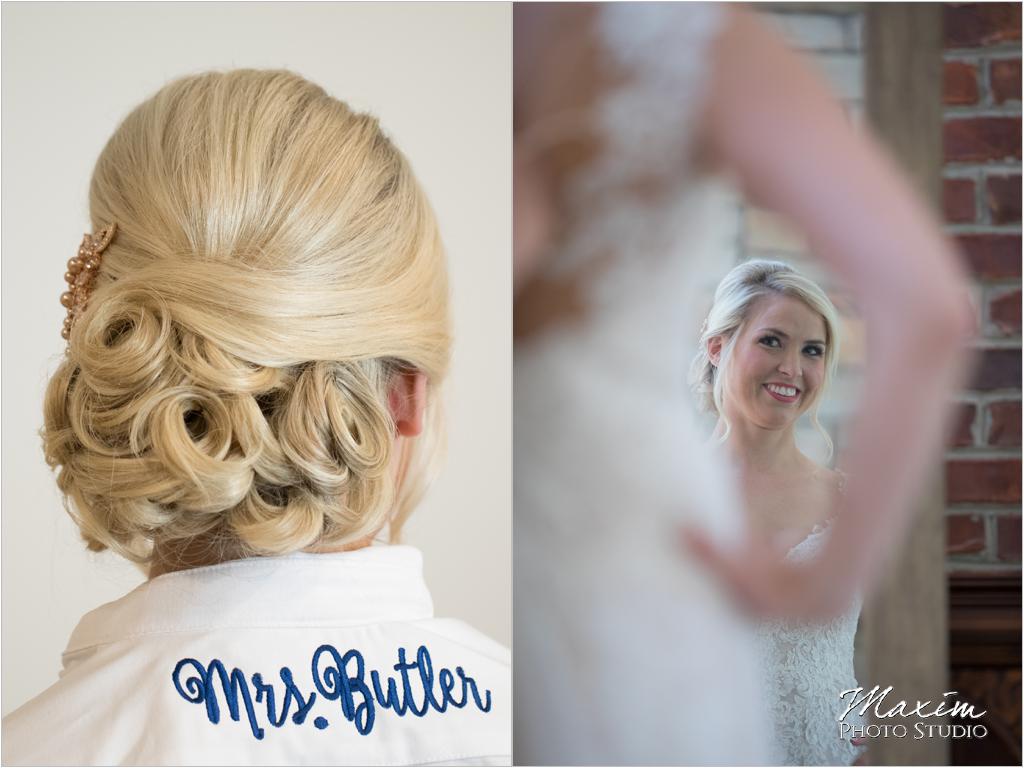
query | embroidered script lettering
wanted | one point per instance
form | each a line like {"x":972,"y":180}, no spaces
{"x":337,"y":676}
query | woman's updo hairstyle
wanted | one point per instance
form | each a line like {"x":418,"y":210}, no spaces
{"x":275,"y":265}
{"x":734,"y":297}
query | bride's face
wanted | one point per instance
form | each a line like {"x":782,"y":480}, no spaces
{"x":778,"y":363}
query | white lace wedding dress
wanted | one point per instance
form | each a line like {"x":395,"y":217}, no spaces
{"x":806,"y":668}
{"x":626,"y":651}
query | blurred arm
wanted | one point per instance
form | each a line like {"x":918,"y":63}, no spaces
{"x":773,"y":122}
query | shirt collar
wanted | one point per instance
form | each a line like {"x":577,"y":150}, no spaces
{"x":365,"y":586}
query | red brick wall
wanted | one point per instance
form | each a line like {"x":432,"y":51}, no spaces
{"x":982,"y":191}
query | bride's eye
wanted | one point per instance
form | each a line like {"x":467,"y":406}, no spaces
{"x":770,"y":341}
{"x":813,"y":350}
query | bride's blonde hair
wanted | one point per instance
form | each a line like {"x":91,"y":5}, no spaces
{"x":734,"y":297}
{"x":276,"y":263}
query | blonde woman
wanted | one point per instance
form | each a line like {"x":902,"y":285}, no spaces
{"x":766,"y":356}
{"x":257,"y":330}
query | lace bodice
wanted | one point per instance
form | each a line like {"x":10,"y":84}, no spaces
{"x":806,"y":667}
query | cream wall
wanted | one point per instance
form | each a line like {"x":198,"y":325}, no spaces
{"x":438,"y":76}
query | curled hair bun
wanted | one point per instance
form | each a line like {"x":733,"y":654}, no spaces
{"x":229,"y":379}
{"x":191,"y":440}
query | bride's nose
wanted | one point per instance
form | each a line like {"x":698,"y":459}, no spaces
{"x":790,"y":366}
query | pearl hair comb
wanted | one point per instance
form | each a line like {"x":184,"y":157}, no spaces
{"x":81,"y":274}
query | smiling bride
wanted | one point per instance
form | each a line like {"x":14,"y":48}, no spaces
{"x":767,"y":354}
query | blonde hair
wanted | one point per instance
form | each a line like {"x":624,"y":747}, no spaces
{"x":734,"y":297}
{"x":276,"y":264}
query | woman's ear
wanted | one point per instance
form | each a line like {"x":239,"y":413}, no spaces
{"x":715,"y":349}
{"x":407,"y":401}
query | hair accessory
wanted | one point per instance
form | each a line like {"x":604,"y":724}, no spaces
{"x":81,"y":273}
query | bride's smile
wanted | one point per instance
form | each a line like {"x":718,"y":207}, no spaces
{"x":783,"y":392}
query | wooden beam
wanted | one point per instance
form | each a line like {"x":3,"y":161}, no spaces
{"x":903,"y":634}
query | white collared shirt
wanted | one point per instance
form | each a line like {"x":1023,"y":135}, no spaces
{"x":325,"y":659}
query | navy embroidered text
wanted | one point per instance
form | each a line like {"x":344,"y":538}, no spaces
{"x":336,"y":676}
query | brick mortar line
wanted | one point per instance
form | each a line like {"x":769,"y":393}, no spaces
{"x":987,"y":344}
{"x":954,"y":170}
{"x":985,"y":557}
{"x":984,"y":399}
{"x":983,"y":228}
{"x":857,"y":52}
{"x":984,"y":86}
{"x":949,"y":114}
{"x":988,"y":287}
{"x":979,"y":453}
{"x":992,"y":510}
{"x":1002,"y":283}
{"x":998,"y":51}
{"x":956,"y":566}
{"x":978,"y":428}
{"x":980,"y":173}
{"x":981,"y":212}
{"x":991,"y":537}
